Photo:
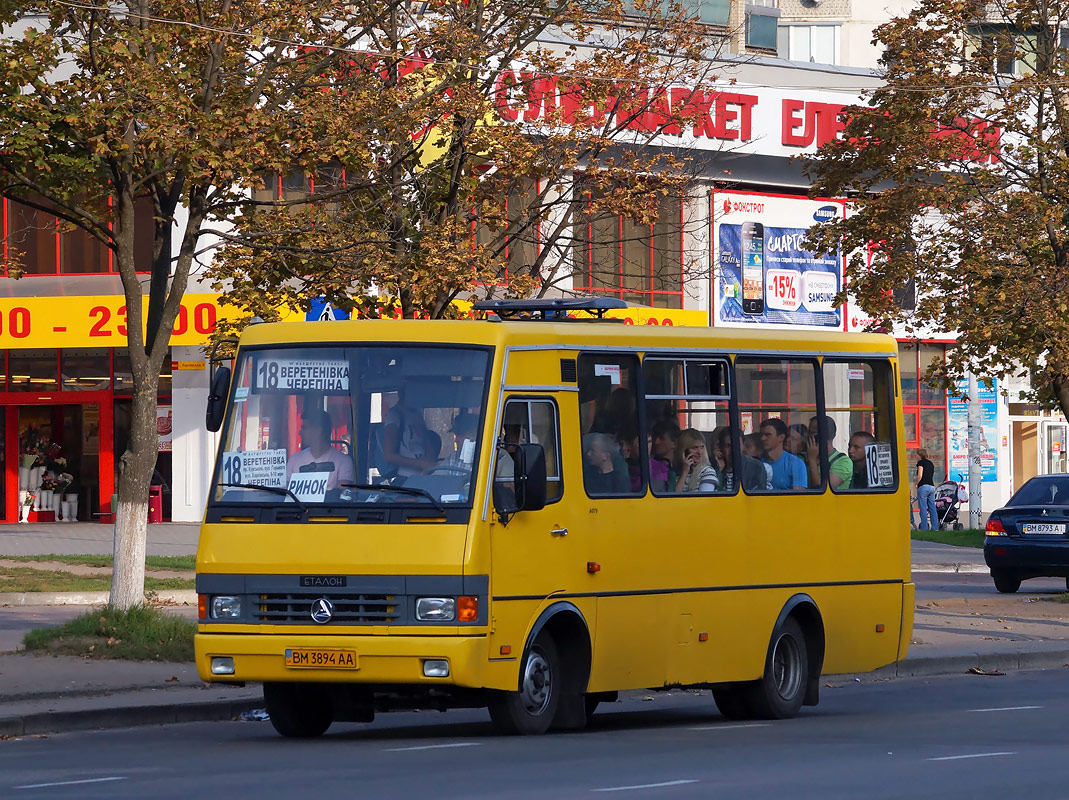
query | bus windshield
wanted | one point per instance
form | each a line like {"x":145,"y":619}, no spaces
{"x":357,"y":425}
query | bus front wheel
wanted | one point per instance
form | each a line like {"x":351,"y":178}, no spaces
{"x":531,"y":709}
{"x":298,"y":710}
{"x":779,"y":693}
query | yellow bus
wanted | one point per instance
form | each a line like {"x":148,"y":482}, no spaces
{"x":534,"y":512}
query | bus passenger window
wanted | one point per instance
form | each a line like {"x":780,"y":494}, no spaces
{"x":608,"y":420}
{"x":689,"y":437}
{"x":860,"y":415}
{"x":777,"y":400}
{"x":531,"y":422}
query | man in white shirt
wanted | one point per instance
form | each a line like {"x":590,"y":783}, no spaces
{"x":318,"y":455}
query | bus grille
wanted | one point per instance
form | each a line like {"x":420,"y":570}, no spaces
{"x":349,"y":609}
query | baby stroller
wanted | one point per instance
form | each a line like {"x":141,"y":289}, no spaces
{"x":947,"y":501}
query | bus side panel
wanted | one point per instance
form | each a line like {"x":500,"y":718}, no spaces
{"x":512,"y":622}
{"x":633,"y":639}
{"x":851,"y":616}
{"x":909,"y":601}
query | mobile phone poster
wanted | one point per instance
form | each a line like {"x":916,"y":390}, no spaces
{"x":797,"y":287}
{"x":958,"y":430}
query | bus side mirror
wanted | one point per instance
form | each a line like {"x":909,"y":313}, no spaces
{"x":213,"y":415}
{"x":523,"y":487}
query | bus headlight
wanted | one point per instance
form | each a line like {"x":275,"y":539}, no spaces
{"x":226,"y":607}
{"x":436,"y":609}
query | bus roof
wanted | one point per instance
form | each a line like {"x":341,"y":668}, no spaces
{"x":567,"y":335}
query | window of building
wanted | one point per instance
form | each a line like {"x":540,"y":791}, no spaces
{"x":814,"y":43}
{"x":608,"y":421}
{"x":85,"y":369}
{"x":639,"y":263}
{"x":44,"y":245}
{"x":924,"y":406}
{"x":692,"y":396}
{"x":777,"y":398}
{"x":522,"y":238}
{"x":858,"y":404}
{"x":124,"y":379}
{"x":33,"y":370}
{"x":762,"y":22}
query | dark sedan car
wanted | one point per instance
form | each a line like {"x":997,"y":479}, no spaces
{"x":1027,"y":537}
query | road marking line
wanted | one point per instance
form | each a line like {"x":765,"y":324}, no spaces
{"x":971,"y":755}
{"x":643,"y":786}
{"x":69,"y":783}
{"x":731,"y":727}
{"x":1008,"y":708}
{"x":432,"y":747}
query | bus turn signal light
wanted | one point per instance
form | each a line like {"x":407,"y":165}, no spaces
{"x":592,"y":567}
{"x":467,"y":608}
{"x":202,"y":606}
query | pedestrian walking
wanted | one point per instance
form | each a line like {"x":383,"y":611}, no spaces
{"x":926,"y":492}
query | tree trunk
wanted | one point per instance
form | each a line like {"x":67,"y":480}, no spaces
{"x":131,"y":524}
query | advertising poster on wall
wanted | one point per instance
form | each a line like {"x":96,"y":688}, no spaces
{"x":163,"y":429}
{"x":958,"y":432}
{"x":762,"y":274}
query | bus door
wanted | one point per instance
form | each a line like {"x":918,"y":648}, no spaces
{"x":534,"y":553}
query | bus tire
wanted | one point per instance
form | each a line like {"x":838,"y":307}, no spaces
{"x":779,"y":693}
{"x":731,"y":701}
{"x":530,"y":711}
{"x":1005,"y":582}
{"x":298,"y":711}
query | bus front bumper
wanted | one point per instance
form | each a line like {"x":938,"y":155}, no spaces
{"x":386,"y":660}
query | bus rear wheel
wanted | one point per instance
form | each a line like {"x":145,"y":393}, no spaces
{"x":779,"y":693}
{"x":531,"y":710}
{"x":298,"y":710}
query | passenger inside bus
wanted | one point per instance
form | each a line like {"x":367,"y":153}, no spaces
{"x":840,"y":467}
{"x":407,"y":447}
{"x":788,"y":471}
{"x":628,"y":442}
{"x":603,"y":470}
{"x":663,"y":437}
{"x":695,"y":473}
{"x":856,"y":450}
{"x":318,"y":455}
{"x":751,"y":472}
{"x":797,"y":438}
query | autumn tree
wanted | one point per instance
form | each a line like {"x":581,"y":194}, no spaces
{"x":179,"y":104}
{"x":473,"y":144}
{"x":959,"y":173}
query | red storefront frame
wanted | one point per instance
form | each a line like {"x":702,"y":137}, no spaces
{"x":104,"y":400}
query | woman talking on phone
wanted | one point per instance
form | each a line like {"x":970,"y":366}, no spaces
{"x":695,"y":472}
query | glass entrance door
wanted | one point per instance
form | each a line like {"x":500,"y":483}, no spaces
{"x":1055,"y":444}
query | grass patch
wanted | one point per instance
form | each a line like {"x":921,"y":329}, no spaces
{"x":27,"y":579}
{"x":176,"y":563}
{"x":141,"y":633}
{"x":971,"y":537}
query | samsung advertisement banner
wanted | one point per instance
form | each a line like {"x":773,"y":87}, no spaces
{"x":762,"y":275}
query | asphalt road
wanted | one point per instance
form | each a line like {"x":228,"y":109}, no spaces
{"x":958,"y":737}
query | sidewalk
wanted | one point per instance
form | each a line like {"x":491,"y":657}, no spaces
{"x":984,"y":633}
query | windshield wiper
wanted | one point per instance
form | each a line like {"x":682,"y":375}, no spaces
{"x":282,"y":491}
{"x":412,"y":490}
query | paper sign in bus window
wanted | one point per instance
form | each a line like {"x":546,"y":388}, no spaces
{"x":309,"y":486}
{"x":256,"y":467}
{"x":611,"y":370}
{"x":878,"y":464}
{"x":302,"y":375}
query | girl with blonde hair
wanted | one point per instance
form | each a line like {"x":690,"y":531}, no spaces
{"x":695,"y":472}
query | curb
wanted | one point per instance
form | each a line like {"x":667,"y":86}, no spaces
{"x":176,"y":597}
{"x":126,"y":717}
{"x":976,"y":663}
{"x":961,"y":569}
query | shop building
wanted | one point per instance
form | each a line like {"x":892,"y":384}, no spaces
{"x":65,"y":382}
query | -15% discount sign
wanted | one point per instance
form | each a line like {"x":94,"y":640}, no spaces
{"x":784,"y":289}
